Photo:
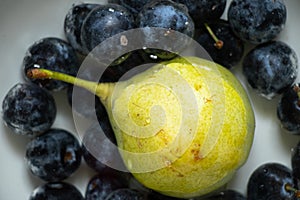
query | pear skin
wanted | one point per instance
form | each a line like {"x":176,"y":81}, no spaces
{"x":183,"y":127}
{"x":155,"y":147}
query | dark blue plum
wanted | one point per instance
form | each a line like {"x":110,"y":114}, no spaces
{"x":85,"y":108}
{"x":100,"y":149}
{"x":166,"y":14}
{"x":126,"y":194}
{"x":28,"y":109}
{"x":73,"y":23}
{"x":56,"y":191}
{"x":171,"y":17}
{"x":204,"y":10}
{"x":54,"y":54}
{"x":270,"y":68}
{"x":271,"y":181}
{"x":157,"y":196}
{"x":257,"y":21}
{"x":134,"y":6}
{"x":91,"y":160}
{"x":227,"y":195}
{"x":54,"y":155}
{"x":151,"y":56}
{"x":102,"y":184}
{"x":102,"y":155}
{"x":134,"y":64}
{"x":232,"y":49}
{"x":288,"y":109}
{"x":102,"y":23}
{"x":295,"y":161}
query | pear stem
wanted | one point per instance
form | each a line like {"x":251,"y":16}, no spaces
{"x":102,"y":90}
{"x":292,"y":189}
{"x":218,"y":43}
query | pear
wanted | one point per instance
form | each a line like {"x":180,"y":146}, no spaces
{"x":183,"y":127}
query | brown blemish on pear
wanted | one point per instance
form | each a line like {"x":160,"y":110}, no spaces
{"x":212,"y":158}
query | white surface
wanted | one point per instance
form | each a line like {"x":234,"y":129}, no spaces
{"x":24,"y":22}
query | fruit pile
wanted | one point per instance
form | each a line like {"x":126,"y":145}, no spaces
{"x":54,"y":154}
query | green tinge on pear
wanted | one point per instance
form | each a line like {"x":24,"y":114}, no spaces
{"x":183,"y":127}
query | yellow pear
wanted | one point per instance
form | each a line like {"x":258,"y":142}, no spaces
{"x":183,"y":127}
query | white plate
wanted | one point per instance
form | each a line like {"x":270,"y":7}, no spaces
{"x":24,"y":22}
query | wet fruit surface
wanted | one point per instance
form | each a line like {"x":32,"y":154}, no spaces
{"x":227,"y":195}
{"x":230,"y":53}
{"x":134,"y":6}
{"x":54,"y":155}
{"x":51,"y":53}
{"x":100,"y":186}
{"x":270,"y":68}
{"x":104,"y":22}
{"x":28,"y":109}
{"x":56,"y":191}
{"x":271,"y":181}
{"x":126,"y":194}
{"x":257,"y":21}
{"x":167,"y":15}
{"x":204,"y":11}
{"x":288,"y":109}
{"x":73,"y":23}
{"x":28,"y":22}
